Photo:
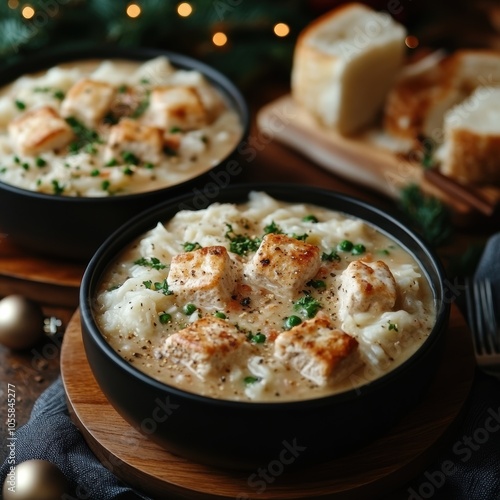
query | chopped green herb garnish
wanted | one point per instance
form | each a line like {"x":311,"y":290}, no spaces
{"x":20,"y":105}
{"x":90,"y":149}
{"x":316,"y":283}
{"x":165,"y":318}
{"x":162,"y":286}
{"x":300,"y":237}
{"x":130,"y":158}
{"x":57,"y":188}
{"x":95,"y":172}
{"x":141,"y":107}
{"x":105,"y":185}
{"x":251,"y":380}
{"x":26,"y":165}
{"x":189,"y":309}
{"x":122,"y":89}
{"x":16,"y":159}
{"x":190,"y":247}
{"x":219,"y":315}
{"x":112,"y":163}
{"x":292,"y":321}
{"x":273,"y":228}
{"x":393,"y":326}
{"x":84,"y":135}
{"x":148,"y":284}
{"x":175,"y":130}
{"x":149,"y":165}
{"x":241,"y":244}
{"x":40,"y":162}
{"x":153,"y":263}
{"x":144,"y":81}
{"x":59,"y":94}
{"x":330,"y":257}
{"x":310,"y":218}
{"x":384,"y":251}
{"x":307,"y":305}
{"x":128,"y":171}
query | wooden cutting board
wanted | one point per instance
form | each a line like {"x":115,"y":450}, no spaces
{"x":368,"y":162}
{"x":379,"y":468}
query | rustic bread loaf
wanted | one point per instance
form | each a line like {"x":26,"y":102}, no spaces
{"x":344,"y":65}
{"x":426,"y":90}
{"x":471,"y":151}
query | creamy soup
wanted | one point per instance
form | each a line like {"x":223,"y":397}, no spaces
{"x":101,"y":128}
{"x":264,"y":301}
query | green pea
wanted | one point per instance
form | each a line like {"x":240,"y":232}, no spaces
{"x":292,"y":321}
{"x":165,"y":318}
{"x":358,"y":249}
{"x":345,"y":246}
{"x":189,"y":309}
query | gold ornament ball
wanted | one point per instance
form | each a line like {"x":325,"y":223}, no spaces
{"x":21,"y":322}
{"x":35,"y":480}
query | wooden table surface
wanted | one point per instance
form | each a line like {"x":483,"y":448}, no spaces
{"x":32,"y":371}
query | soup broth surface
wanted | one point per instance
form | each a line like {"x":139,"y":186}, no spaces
{"x":102,"y":128}
{"x":259,"y":301}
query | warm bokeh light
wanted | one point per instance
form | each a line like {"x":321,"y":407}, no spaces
{"x":13,"y":4}
{"x":28,"y":12}
{"x":411,"y":42}
{"x":281,"y":29}
{"x":133,"y":10}
{"x":184,"y":9}
{"x":219,"y":39}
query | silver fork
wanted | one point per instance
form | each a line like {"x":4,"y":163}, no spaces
{"x":483,"y":322}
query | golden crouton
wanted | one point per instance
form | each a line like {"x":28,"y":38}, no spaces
{"x":283,"y":265}
{"x":366,"y":286}
{"x":88,"y":101}
{"x":129,"y":136}
{"x":175,"y":107}
{"x":205,"y":277}
{"x":207,"y":346}
{"x":318,"y":351}
{"x":39,"y":130}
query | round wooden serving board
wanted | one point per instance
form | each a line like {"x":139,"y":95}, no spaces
{"x":379,"y":468}
{"x":48,"y":281}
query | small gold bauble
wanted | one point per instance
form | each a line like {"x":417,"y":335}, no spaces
{"x":35,"y":480}
{"x":21,"y":322}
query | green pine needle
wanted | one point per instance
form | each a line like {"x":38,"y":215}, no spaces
{"x":431,"y":218}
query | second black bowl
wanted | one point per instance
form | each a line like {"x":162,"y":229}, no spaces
{"x":74,"y":227}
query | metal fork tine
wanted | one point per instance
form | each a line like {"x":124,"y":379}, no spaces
{"x":473,"y":314}
{"x":481,"y":291}
{"x":490,"y":319}
{"x":483,"y":322}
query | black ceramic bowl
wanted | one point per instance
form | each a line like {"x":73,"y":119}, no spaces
{"x":247,"y":435}
{"x":74,"y":227}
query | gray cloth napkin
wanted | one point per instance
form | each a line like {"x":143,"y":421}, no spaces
{"x":468,"y":467}
{"x":50,"y":435}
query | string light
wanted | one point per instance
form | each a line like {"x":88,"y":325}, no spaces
{"x":13,"y":4}
{"x":184,"y":9}
{"x":411,"y":42}
{"x":281,"y":29}
{"x":219,"y":39}
{"x":28,"y":12}
{"x":133,"y":10}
